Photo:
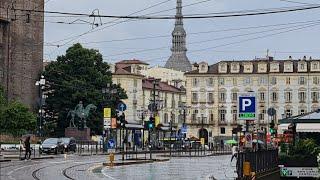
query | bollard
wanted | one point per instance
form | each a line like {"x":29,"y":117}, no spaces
{"x":246,"y":168}
{"x":111,"y":159}
{"x":34,"y":151}
{"x":65,"y":156}
{"x":96,"y":148}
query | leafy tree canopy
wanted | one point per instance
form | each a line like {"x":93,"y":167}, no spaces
{"x":15,"y":118}
{"x":79,"y":75}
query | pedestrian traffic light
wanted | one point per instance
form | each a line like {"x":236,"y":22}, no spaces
{"x":151,"y":123}
{"x":272,"y":129}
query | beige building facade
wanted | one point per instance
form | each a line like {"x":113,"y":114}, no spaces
{"x":170,"y":76}
{"x":140,"y":90}
{"x":289,"y":86}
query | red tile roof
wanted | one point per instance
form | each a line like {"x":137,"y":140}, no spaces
{"x":162,"y":86}
{"x":134,"y":61}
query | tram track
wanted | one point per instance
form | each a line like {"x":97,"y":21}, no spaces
{"x":64,"y":171}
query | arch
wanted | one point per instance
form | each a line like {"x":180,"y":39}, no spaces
{"x":247,"y":89}
{"x":302,"y":89}
{"x":235,"y":90}
{"x":288,"y":89}
{"x":203,"y":133}
{"x":262,"y":89}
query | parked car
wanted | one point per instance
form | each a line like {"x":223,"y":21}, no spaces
{"x":52,"y":145}
{"x":69,"y":144}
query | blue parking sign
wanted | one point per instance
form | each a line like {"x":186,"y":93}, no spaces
{"x":247,"y":107}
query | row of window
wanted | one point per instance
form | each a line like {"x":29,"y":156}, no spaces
{"x":222,"y":115}
{"x":249,"y":67}
{"x":274,"y":97}
{"x":261,"y":80}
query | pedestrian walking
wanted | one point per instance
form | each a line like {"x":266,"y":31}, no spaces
{"x":28,"y":148}
{"x":234,"y":152}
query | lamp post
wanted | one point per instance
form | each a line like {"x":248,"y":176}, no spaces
{"x":41,"y":83}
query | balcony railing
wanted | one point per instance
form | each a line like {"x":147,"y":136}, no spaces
{"x":222,"y":123}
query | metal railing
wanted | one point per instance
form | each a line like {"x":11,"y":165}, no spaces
{"x":260,"y":161}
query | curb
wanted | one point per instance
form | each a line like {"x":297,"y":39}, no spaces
{"x":140,"y":161}
{"x":5,"y":160}
{"x":45,"y":157}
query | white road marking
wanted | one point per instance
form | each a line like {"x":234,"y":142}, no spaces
{"x":105,"y":174}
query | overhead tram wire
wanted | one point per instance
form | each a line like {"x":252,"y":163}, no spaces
{"x":128,"y":20}
{"x":195,"y":33}
{"x":235,"y":42}
{"x":215,"y":39}
{"x":72,"y":38}
{"x":185,"y":17}
{"x":95,"y":30}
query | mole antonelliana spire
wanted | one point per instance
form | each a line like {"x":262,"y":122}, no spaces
{"x":178,"y":59}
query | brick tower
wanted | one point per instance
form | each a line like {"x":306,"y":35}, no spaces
{"x":21,"y":49}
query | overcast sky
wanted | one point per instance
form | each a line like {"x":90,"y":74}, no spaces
{"x":156,"y":51}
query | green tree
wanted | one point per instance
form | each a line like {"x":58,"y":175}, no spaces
{"x":15,"y":118}
{"x":79,"y":75}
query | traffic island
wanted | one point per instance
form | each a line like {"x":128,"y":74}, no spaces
{"x":134,"y":161}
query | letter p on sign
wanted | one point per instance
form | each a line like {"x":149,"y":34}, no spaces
{"x":246,"y":103}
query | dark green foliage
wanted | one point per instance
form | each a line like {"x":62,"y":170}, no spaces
{"x":303,"y":153}
{"x":15,"y":118}
{"x":79,"y":75}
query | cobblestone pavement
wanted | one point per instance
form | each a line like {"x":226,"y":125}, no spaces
{"x":80,"y":167}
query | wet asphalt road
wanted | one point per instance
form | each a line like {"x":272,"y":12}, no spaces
{"x":89,"y":167}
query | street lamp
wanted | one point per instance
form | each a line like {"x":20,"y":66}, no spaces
{"x":41,"y":83}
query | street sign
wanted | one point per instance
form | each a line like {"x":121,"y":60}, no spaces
{"x":157,"y":121}
{"x":271,"y":112}
{"x":113,"y":123}
{"x":107,"y":112}
{"x":202,"y":141}
{"x":111,"y":144}
{"x":248,"y":140}
{"x":122,"y":106}
{"x":184,"y":129}
{"x":107,"y":123}
{"x":247,"y":107}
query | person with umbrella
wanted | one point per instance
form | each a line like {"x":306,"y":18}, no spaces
{"x":27,"y":147}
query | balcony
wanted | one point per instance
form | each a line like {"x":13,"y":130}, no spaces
{"x":210,"y":102}
{"x":315,"y":101}
{"x":302,"y":101}
{"x":222,"y":123}
{"x":194,"y":101}
{"x":234,"y":122}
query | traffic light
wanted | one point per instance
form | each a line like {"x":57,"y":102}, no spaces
{"x":149,"y":124}
{"x":122,"y":119}
{"x":272,"y":129}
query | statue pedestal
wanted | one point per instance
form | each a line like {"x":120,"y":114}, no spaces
{"x":83,"y":135}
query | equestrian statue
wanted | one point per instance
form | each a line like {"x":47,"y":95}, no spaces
{"x":80,"y":112}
